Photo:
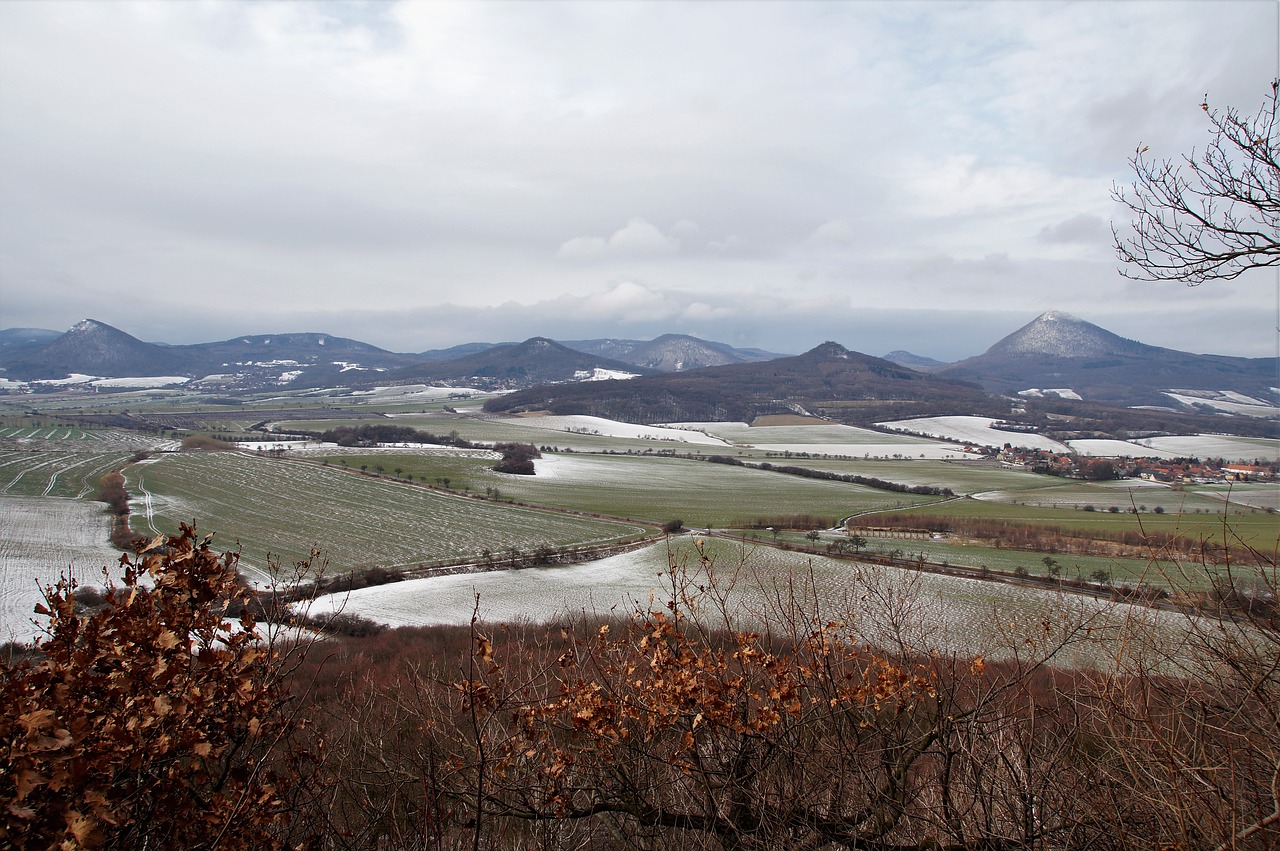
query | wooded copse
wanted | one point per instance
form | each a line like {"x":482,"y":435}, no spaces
{"x":688,"y":724}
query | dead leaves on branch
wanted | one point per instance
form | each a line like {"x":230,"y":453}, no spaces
{"x":153,"y":705}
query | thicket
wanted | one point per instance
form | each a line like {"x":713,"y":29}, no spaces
{"x":1047,"y":538}
{"x":868,"y":481}
{"x":690,"y":722}
{"x":372,"y":435}
{"x":517,"y":458}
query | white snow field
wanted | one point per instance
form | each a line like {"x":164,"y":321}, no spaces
{"x":1117,"y":449}
{"x":413,"y":392}
{"x":882,"y":605}
{"x":977,"y":430}
{"x":1227,"y":401}
{"x":42,"y":539}
{"x":143,"y":383}
{"x":825,"y":439}
{"x":577,"y":424}
{"x":1223,"y":446}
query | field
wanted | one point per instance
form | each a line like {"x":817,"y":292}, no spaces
{"x":286,"y":508}
{"x":647,"y":488}
{"x":42,"y":539}
{"x":1240,"y":525}
{"x":882,"y":605}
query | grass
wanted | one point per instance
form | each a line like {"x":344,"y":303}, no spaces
{"x":286,"y":509}
{"x":646,"y":488}
{"x":1252,"y":527}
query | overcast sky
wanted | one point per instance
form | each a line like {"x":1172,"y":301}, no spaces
{"x":926,"y":176}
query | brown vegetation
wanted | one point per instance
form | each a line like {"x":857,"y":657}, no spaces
{"x":206,"y":442}
{"x":147,"y":723}
{"x":693,"y":724}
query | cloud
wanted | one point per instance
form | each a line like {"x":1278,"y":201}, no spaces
{"x":837,"y":233}
{"x":638,"y":238}
{"x":1083,"y":228}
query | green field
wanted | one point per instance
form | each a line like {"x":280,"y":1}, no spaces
{"x":1252,"y":527}
{"x":287,"y":508}
{"x":647,"y":488}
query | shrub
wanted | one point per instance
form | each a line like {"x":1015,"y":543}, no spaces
{"x":146,"y":723}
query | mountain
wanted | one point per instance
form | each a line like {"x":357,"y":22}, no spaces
{"x":535,"y":361}
{"x":94,"y":348}
{"x":670,"y":352}
{"x":459,"y":351}
{"x":11,"y":338}
{"x":827,"y":381}
{"x":300,"y":360}
{"x":920,"y":363}
{"x":1058,"y":351}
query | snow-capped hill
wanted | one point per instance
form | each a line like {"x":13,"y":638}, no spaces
{"x":1062,"y":335}
{"x":94,"y":347}
{"x":1057,"y":350}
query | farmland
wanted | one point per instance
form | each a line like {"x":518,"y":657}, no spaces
{"x":656,"y":489}
{"x":421,"y":505}
{"x":881,"y":604}
{"x":287,"y":509}
{"x":41,"y":540}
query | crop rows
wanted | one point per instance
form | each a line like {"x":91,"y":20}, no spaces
{"x":878,"y":604}
{"x":287,"y":508}
{"x":63,"y":473}
{"x":41,"y":540}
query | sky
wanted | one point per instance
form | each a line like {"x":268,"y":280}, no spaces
{"x":927,"y":176}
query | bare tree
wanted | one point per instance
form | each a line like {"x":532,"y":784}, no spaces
{"x":1206,"y":216}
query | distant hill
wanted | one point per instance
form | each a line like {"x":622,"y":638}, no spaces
{"x":1057,"y":350}
{"x":919,"y":363}
{"x":461,"y":350}
{"x":671,"y":352}
{"x":535,"y":361}
{"x":15,"y":337}
{"x":93,"y":348}
{"x":829,"y":381}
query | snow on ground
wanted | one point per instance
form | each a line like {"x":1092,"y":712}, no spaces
{"x":73,"y":378}
{"x":413,"y":392}
{"x":601,"y":374}
{"x":1223,"y":446}
{"x":42,"y":538}
{"x":536,"y":594}
{"x":824,"y":439}
{"x":1060,"y":392}
{"x":1231,"y":404}
{"x":1117,"y":449}
{"x":142,"y":382}
{"x":977,"y":430}
{"x":941,"y":612}
{"x":612,"y":428}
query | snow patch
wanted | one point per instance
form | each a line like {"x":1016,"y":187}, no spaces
{"x":977,"y":430}
{"x":1060,"y":392}
{"x":601,"y":374}
{"x":142,"y":382}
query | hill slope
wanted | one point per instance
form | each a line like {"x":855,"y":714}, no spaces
{"x":829,"y":381}
{"x":1057,"y":350}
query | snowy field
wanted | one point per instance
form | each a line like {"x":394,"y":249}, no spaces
{"x":613,"y":428}
{"x":825,"y":439}
{"x":1216,"y":446}
{"x":144,"y":383}
{"x":975,"y":430}
{"x":883,"y":605}
{"x":1118,"y":449}
{"x":41,"y":539}
{"x":413,"y":393}
{"x":1227,"y":401}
